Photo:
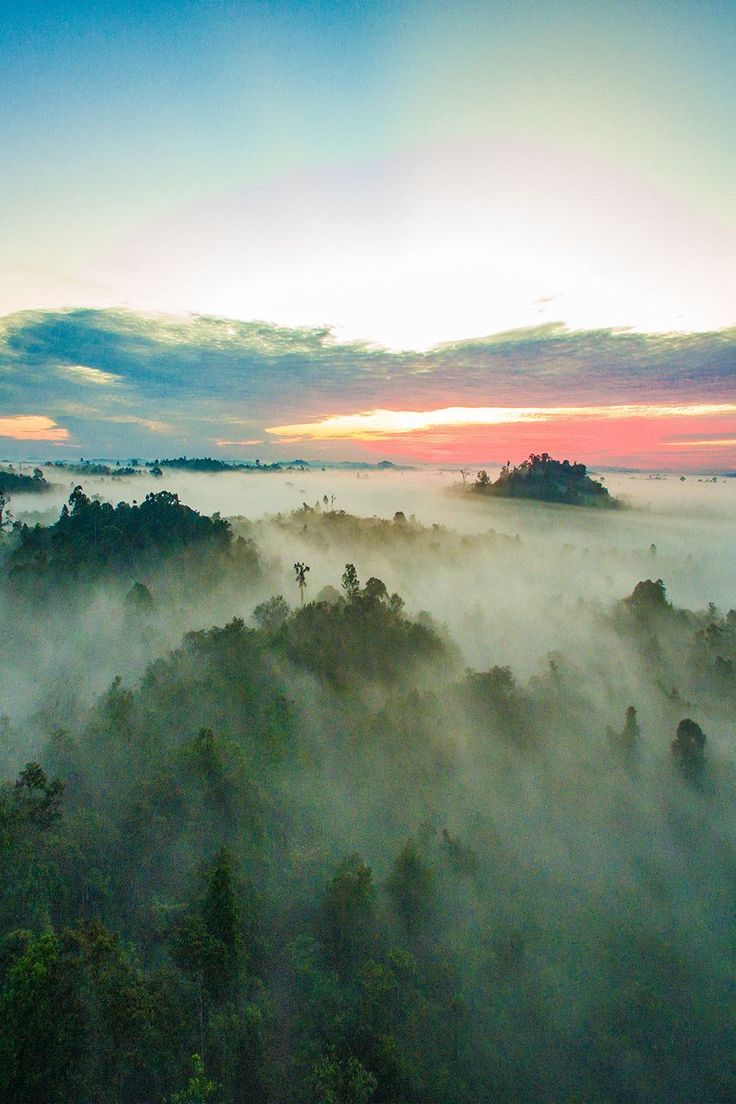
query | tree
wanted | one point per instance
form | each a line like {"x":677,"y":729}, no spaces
{"x":300,"y":571}
{"x":626,"y":743}
{"x":200,"y":1088}
{"x":208,"y":944}
{"x":6,"y":518}
{"x":374,"y":593}
{"x":648,"y":597}
{"x":270,"y":615}
{"x":36,"y":801}
{"x":40,"y":1027}
{"x":116,"y":1012}
{"x":348,"y":922}
{"x":341,"y":1082}
{"x":350,"y":582}
{"x":139,"y":598}
{"x":688,"y":748}
{"x":410,"y":888}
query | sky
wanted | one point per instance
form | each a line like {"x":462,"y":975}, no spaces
{"x":369,"y":185}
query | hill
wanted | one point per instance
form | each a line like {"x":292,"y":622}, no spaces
{"x":542,"y":478}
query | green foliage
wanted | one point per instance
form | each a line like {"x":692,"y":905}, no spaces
{"x":341,"y":1082}
{"x":271,"y":615}
{"x":208,"y":943}
{"x":410,"y":888}
{"x":30,"y":811}
{"x":40,"y":1026}
{"x":171,"y":882}
{"x":199,"y":1089}
{"x":350,"y":582}
{"x":348,"y":922}
{"x":365,"y":638}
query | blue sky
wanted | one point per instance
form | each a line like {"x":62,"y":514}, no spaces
{"x":404,"y":173}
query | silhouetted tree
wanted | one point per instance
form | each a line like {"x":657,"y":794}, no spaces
{"x":626,"y":743}
{"x":300,"y":570}
{"x":350,"y":582}
{"x":648,"y":598}
{"x":688,"y":748}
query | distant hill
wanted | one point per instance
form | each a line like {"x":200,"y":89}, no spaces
{"x":207,"y":464}
{"x":544,"y":479}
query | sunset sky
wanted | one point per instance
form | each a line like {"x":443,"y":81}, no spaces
{"x":467,"y":230}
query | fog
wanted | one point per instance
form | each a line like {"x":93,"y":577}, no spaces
{"x":567,"y":905}
{"x":506,"y":578}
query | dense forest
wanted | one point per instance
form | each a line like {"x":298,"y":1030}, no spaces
{"x":309,"y":854}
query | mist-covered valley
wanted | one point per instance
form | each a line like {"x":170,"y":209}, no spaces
{"x":427,"y":828}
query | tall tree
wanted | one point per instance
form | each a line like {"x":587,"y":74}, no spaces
{"x":301,"y":569}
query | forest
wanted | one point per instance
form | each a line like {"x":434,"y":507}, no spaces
{"x":317,"y":800}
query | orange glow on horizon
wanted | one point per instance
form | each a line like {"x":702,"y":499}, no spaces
{"x":622,"y":442}
{"x":389,"y":424}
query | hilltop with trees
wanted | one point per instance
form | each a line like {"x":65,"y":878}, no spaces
{"x":542,"y":478}
{"x":13,"y":482}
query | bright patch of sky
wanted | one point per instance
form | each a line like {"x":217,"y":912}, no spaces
{"x":409,"y":173}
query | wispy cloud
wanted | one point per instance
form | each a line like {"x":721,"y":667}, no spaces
{"x":132,"y":419}
{"x":225,"y":444}
{"x":707,"y":442}
{"x":85,"y":374}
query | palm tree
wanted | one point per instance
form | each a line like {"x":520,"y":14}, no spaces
{"x":301,"y":570}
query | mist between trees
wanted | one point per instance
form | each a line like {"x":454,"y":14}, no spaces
{"x":457,"y":829}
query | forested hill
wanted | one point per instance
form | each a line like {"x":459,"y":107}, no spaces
{"x":13,"y":482}
{"x":93,"y":539}
{"x":547,"y":480}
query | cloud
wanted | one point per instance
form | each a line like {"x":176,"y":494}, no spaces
{"x":180,"y":376}
{"x":32,"y":427}
{"x":91,"y":375}
{"x":706,"y":442}
{"x":224,"y":444}
{"x":389,"y":423}
{"x":131,"y":419}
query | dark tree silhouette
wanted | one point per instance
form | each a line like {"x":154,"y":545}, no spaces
{"x":688,"y":748}
{"x":301,"y":570}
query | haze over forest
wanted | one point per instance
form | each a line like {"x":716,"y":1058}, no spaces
{"x":457,"y":828}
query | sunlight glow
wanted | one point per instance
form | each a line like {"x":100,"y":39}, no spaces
{"x":388,"y":423}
